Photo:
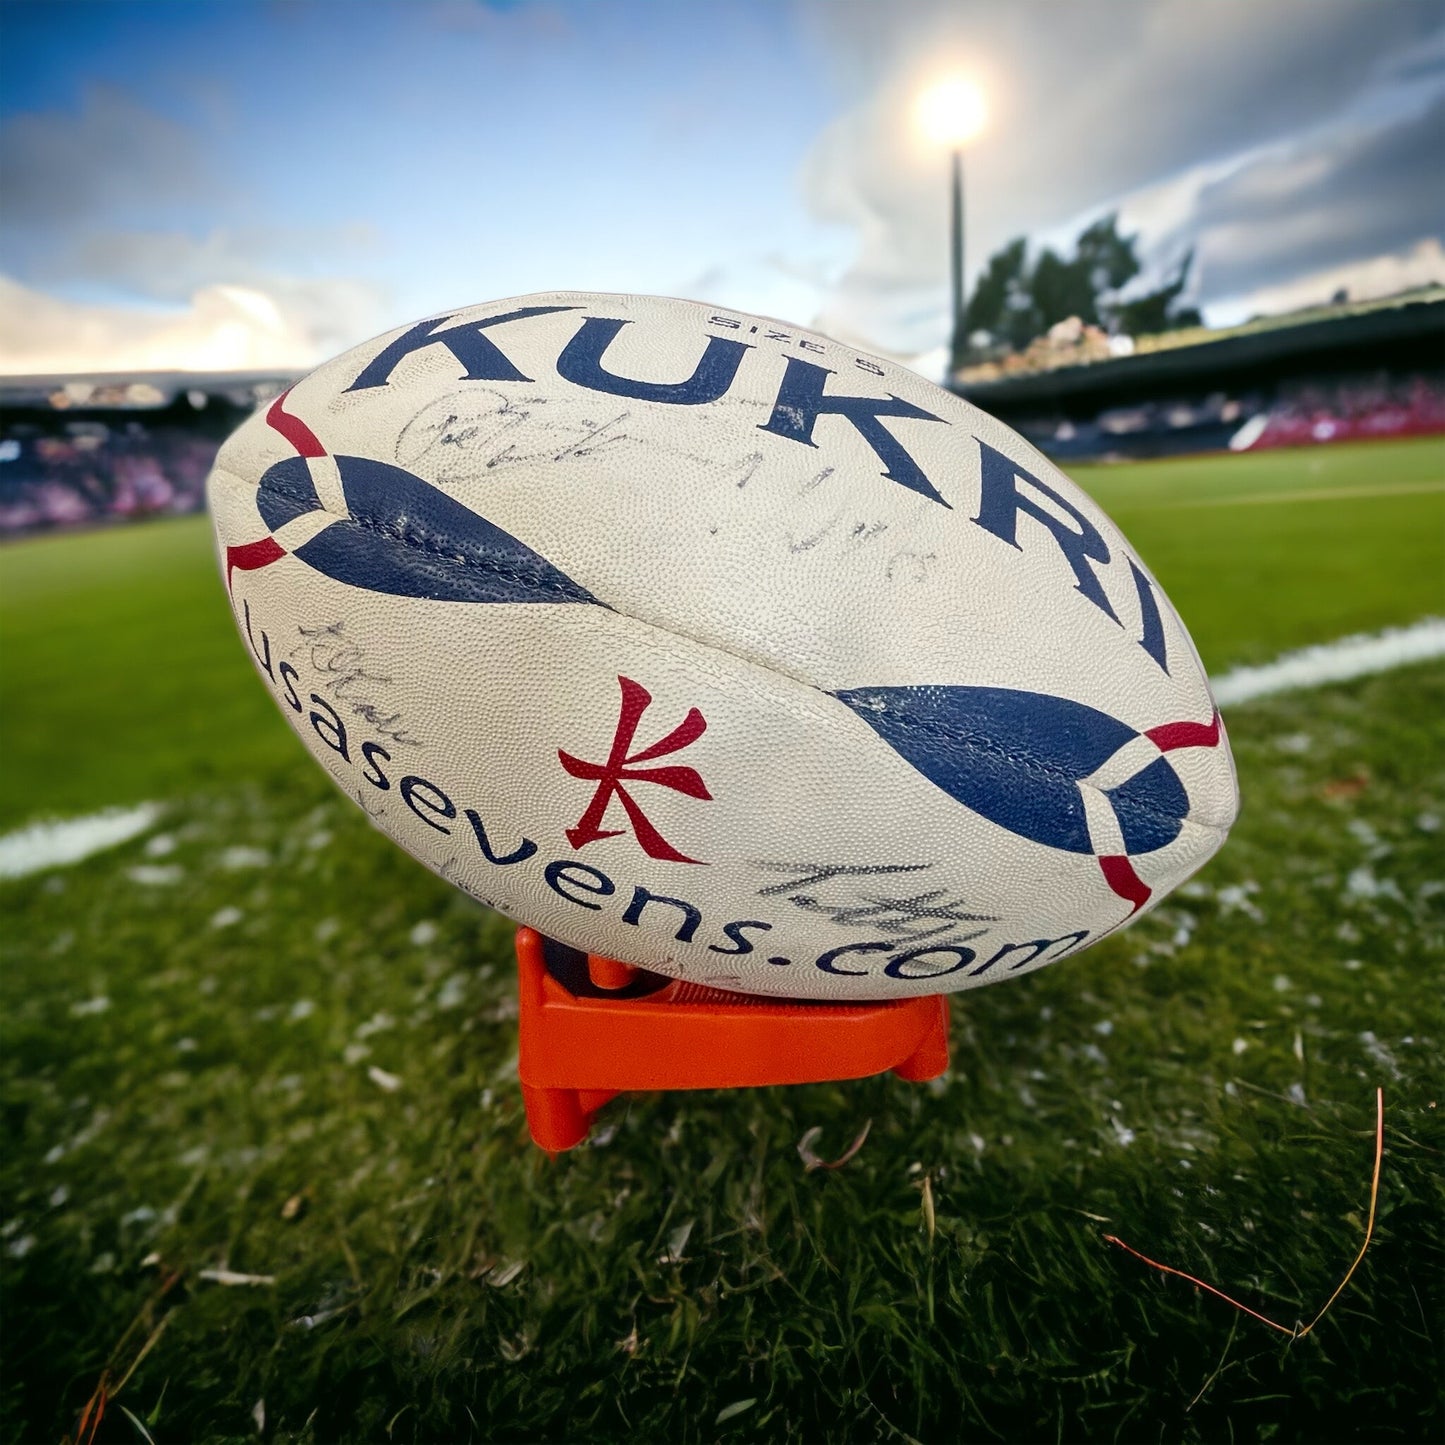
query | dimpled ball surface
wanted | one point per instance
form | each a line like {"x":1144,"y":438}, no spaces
{"x":708,"y":643}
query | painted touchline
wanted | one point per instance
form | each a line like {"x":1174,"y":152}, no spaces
{"x":57,"y":844}
{"x":1338,"y":661}
{"x":40,"y":846}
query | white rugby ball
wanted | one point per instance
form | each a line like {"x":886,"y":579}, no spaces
{"x":710,"y":644}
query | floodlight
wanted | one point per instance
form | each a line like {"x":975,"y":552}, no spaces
{"x":951,"y":112}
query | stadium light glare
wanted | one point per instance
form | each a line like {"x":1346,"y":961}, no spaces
{"x":951,"y":112}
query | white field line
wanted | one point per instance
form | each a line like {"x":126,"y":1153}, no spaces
{"x":1316,"y":494}
{"x":1339,"y":661}
{"x":59,"y":844}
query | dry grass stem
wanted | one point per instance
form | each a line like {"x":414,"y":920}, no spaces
{"x":106,"y":1388}
{"x":1370,"y":1222}
{"x":233,"y":1277}
{"x":1297,"y":1332}
{"x":813,"y":1160}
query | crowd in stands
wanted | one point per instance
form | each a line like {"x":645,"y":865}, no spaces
{"x":1355,"y":410}
{"x":1300,"y":414}
{"x":89,"y":453}
{"x":89,"y":471}
{"x":63,"y":465}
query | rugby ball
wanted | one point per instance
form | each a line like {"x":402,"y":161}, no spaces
{"x":713,"y":645}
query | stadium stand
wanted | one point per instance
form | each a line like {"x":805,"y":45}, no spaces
{"x":78,"y":451}
{"x":1360,"y":372}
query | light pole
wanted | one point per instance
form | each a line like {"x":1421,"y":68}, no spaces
{"x":951,"y":113}
{"x":959,"y":341}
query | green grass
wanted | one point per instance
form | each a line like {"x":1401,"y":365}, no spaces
{"x":1254,"y":578}
{"x":123,"y":674}
{"x":1202,"y":1085}
{"x":121,"y":658}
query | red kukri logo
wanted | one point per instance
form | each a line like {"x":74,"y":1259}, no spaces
{"x":621,"y":771}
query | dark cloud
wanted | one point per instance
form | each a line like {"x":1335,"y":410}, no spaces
{"x":112,"y":156}
{"x":1362,"y":195}
{"x":1096,"y":103}
{"x":1422,"y":62}
{"x":1123,"y":94}
{"x":1213,"y":79}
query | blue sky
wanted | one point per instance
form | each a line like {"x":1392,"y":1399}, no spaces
{"x":251,"y":182}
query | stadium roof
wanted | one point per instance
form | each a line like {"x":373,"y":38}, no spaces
{"x":138,"y":391}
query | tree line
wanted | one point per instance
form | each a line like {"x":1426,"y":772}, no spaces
{"x":1019,"y":297}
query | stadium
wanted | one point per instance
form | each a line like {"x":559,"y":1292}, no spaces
{"x":266,"y":1169}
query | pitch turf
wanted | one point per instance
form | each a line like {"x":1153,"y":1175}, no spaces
{"x":213,"y":1058}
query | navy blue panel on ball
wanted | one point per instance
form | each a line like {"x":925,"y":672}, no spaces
{"x":406,"y":538}
{"x":1015,"y":757}
{"x":286,"y":492}
{"x":1151,"y":807}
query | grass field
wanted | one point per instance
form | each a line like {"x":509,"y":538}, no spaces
{"x":214,"y":1060}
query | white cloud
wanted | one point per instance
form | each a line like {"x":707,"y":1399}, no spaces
{"x":1422,"y":265}
{"x":766,"y":285}
{"x":87,"y":193}
{"x":222,"y":328}
{"x":205,"y":275}
{"x":170,"y":265}
{"x":330,"y":312}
